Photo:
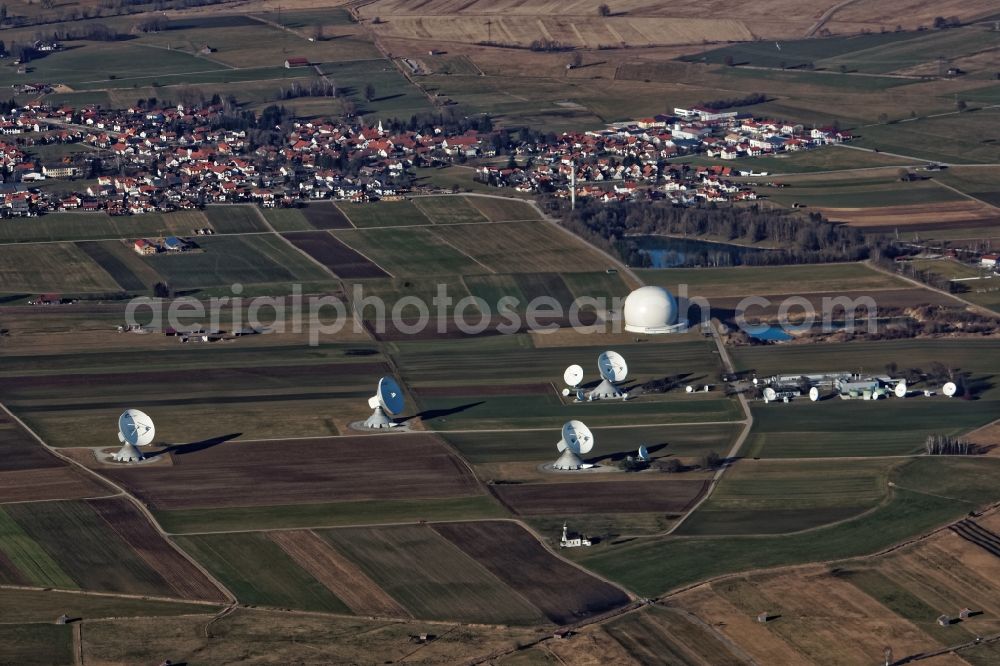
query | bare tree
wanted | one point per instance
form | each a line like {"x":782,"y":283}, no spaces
{"x":604,"y":10}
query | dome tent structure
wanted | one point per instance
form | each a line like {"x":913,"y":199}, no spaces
{"x":652,"y":310}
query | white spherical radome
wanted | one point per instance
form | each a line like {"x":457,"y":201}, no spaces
{"x":650,"y":310}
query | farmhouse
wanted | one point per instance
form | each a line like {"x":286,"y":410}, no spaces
{"x":296,"y":62}
{"x":144,"y":247}
{"x":174,"y":244}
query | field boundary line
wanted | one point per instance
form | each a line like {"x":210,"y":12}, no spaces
{"x":464,"y":254}
{"x":63,"y":499}
{"x":113,"y":595}
{"x":230,"y":597}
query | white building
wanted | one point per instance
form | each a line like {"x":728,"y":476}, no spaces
{"x":572,"y":541}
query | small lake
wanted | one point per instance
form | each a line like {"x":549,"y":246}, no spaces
{"x":666,"y":252}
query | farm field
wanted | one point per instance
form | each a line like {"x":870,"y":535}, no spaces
{"x":28,"y":472}
{"x":916,"y":217}
{"x":758,"y":281}
{"x":259,"y":572}
{"x":227,"y":260}
{"x":657,"y":633}
{"x":235,"y":219}
{"x":36,"y":644}
{"x":31,"y":606}
{"x":315,"y":470}
{"x":69,"y":545}
{"x":521,"y":247}
{"x":900,"y":593}
{"x":320,"y":216}
{"x":770,"y":497}
{"x":409,"y":252}
{"x":71,"y":226}
{"x":122,"y":263}
{"x":662,"y":496}
{"x":61,"y":267}
{"x":895,"y":427}
{"x":330,"y":252}
{"x":265,"y":635}
{"x":928,"y":493}
{"x":383,"y":214}
{"x":330,"y":514}
{"x":450,"y":210}
{"x":287,"y":219}
{"x":431,"y":577}
{"x":562,"y":592}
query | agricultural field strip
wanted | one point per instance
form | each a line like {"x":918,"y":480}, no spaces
{"x":146,"y":514}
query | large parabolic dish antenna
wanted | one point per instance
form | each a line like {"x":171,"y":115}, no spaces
{"x":136,"y":428}
{"x":950,"y":389}
{"x":576,"y":440}
{"x":387,"y":402}
{"x":612,"y":366}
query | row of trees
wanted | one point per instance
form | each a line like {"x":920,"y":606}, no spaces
{"x":943,"y":445}
{"x":719,"y":104}
{"x":616,"y":227}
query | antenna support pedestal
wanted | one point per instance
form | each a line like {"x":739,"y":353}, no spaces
{"x":379,"y":419}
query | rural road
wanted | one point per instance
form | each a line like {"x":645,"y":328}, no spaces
{"x":827,"y":15}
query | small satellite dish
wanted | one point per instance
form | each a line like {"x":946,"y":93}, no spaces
{"x":566,"y":392}
{"x":950,"y":389}
{"x":135,"y":428}
{"x":755,"y":380}
{"x":612,"y":366}
{"x":770,"y":394}
{"x":689,"y":389}
{"x":643,"y":454}
{"x":576,"y":437}
{"x":573,"y":376}
{"x":387,"y":402}
{"x":900,"y":390}
{"x":814,"y":394}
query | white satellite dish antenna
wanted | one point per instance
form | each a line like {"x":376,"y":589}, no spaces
{"x":613,"y":369}
{"x":814,"y":394}
{"x":388,"y":402}
{"x":576,"y":440}
{"x":900,"y":390}
{"x":689,"y":389}
{"x":770,"y":394}
{"x":643,"y":454}
{"x":612,"y":366}
{"x":135,"y":429}
{"x":950,"y":389}
{"x":572,"y":377}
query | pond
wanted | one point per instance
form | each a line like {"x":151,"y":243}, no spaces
{"x":668,"y":252}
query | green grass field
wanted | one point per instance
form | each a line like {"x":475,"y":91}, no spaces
{"x":286,"y":219}
{"x":867,"y":193}
{"x":449,"y":210}
{"x":409,"y":252}
{"x":234,"y":219}
{"x":753,"y":280}
{"x":334,"y":514}
{"x":84,"y":226}
{"x":45,"y":606}
{"x":837,"y":428}
{"x":431,"y":577}
{"x":258,"y":571}
{"x":41,"y":644}
{"x":771,"y":497}
{"x":384,"y":214}
{"x":224,"y":261}
{"x":33,"y":564}
{"x":84,"y":544}
{"x":59,"y":267}
{"x":942,"y":490}
{"x":504,"y":210}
